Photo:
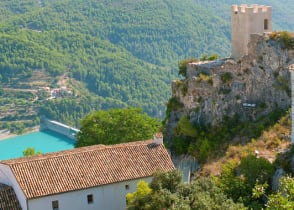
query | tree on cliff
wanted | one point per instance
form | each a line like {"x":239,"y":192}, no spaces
{"x":116,"y":126}
{"x":238,"y":180}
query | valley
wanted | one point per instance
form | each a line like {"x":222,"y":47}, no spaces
{"x":114,"y":54}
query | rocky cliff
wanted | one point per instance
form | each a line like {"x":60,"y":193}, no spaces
{"x":251,"y":87}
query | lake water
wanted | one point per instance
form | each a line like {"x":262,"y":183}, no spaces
{"x":43,"y":141}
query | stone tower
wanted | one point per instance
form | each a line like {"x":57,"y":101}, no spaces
{"x":247,"y":20}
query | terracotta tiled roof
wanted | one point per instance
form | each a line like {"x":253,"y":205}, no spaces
{"x":86,"y":167}
{"x":8,"y":200}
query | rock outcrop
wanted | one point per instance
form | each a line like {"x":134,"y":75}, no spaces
{"x":276,"y":179}
{"x":251,"y":87}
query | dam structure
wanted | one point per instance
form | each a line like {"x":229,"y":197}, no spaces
{"x":60,"y":128}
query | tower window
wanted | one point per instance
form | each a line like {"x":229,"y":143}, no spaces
{"x":265,"y":24}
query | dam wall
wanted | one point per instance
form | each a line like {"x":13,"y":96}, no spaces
{"x":60,"y":128}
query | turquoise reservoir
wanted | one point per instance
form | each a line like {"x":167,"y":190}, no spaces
{"x":43,"y":141}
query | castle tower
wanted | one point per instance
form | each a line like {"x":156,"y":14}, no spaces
{"x":247,"y":20}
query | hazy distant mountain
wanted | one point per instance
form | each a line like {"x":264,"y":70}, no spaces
{"x":124,"y":51}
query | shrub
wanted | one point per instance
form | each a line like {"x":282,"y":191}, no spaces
{"x":213,"y":57}
{"x":283,"y":199}
{"x":184,"y":89}
{"x":238,"y":180}
{"x":225,"y":90}
{"x":256,"y":169}
{"x":274,"y":143}
{"x":226,"y":77}
{"x":30,"y":151}
{"x":182,"y":86}
{"x":204,"y":150}
{"x":180,"y":145}
{"x":238,"y":97}
{"x":284,"y":37}
{"x":183,"y":66}
{"x":283,"y":84}
{"x":204,"y":57}
{"x":173,"y":104}
{"x":263,"y":105}
{"x":203,"y":76}
{"x":232,"y":185}
{"x":274,"y":35}
{"x":185,"y":128}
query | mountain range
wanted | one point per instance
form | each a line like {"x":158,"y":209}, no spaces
{"x":113,"y":53}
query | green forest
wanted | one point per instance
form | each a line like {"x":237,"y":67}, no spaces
{"x":115,"y":53}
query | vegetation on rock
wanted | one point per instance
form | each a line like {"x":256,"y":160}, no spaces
{"x":183,"y":66}
{"x":173,"y":104}
{"x":285,"y":37}
{"x":284,"y":198}
{"x":203,"y":141}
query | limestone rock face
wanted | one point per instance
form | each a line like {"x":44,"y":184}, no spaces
{"x":253,"y":86}
{"x":276,"y":179}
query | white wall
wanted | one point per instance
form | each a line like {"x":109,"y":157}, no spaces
{"x":7,"y":177}
{"x":107,"y":197}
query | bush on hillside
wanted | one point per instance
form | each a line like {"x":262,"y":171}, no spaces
{"x":183,"y":66}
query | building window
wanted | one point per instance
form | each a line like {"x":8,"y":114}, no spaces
{"x":55,"y":205}
{"x":265,"y":24}
{"x":90,"y":198}
{"x":127,"y":187}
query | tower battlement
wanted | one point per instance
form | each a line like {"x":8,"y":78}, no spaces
{"x":254,"y":8}
{"x":247,"y":20}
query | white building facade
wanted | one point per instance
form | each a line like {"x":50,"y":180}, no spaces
{"x":112,"y":196}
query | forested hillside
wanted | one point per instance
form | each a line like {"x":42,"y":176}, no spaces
{"x":107,"y":53}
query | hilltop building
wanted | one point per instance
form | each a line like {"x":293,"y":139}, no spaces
{"x":94,"y":177}
{"x":247,"y":20}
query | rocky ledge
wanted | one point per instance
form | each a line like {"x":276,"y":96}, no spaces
{"x":253,"y":86}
